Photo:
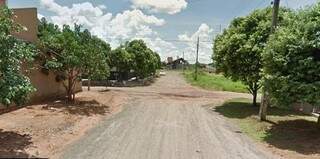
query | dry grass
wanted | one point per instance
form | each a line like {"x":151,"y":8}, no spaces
{"x":44,"y":130}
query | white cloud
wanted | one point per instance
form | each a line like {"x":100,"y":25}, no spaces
{"x":205,"y":33}
{"x":129,"y":24}
{"x":163,"y":6}
{"x":102,"y":7}
{"x":82,"y":13}
{"x":164,"y":48}
{"x":40,"y":16}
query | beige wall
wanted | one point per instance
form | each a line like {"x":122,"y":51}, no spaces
{"x":47,"y":86}
{"x":27,"y":17}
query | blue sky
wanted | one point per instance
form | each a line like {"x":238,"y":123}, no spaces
{"x":168,"y":26}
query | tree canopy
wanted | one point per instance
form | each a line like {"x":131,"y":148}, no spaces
{"x":292,"y":60}
{"x":136,"y":56}
{"x":121,"y":59}
{"x":73,"y":52}
{"x":14,"y":53}
{"x":238,"y":51}
{"x":96,"y":56}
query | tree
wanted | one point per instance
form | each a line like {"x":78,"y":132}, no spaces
{"x":15,"y":86}
{"x":95,"y":62}
{"x":122,"y":60}
{"x":238,"y":51}
{"x":74,"y":52}
{"x":292,"y":60}
{"x":155,"y":62}
{"x":138,"y":49}
{"x":145,"y":62}
{"x":158,"y":60}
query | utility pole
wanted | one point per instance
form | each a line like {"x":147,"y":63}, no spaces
{"x":183,"y":61}
{"x":275,"y":15}
{"x":265,"y":96}
{"x":197,"y":61}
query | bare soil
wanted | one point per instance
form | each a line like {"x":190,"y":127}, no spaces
{"x":44,"y":130}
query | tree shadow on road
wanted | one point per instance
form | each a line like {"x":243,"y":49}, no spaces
{"x":241,"y":108}
{"x":236,"y":109}
{"x":13,"y":145}
{"x":299,"y":135}
{"x":79,"y":107}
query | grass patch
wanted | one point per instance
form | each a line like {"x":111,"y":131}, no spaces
{"x":285,"y":129}
{"x":214,"y":82}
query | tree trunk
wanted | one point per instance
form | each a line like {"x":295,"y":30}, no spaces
{"x":70,"y":86}
{"x":69,"y":94}
{"x":318,"y":123}
{"x":89,"y":84}
{"x":254,"y":100}
{"x":263,"y":106}
{"x":254,"y":91}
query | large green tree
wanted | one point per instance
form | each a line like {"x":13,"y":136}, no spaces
{"x":138,"y":49}
{"x":145,"y":61}
{"x":122,"y":60}
{"x":292,"y":60}
{"x":73,"y":52}
{"x":136,"y":56}
{"x":14,"y":85}
{"x":95,"y":60}
{"x":238,"y":51}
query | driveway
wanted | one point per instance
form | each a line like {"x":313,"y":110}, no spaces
{"x":168,"y":120}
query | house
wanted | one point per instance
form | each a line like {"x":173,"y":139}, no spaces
{"x":179,"y":63}
{"x":170,"y":59}
{"x":46,"y":83}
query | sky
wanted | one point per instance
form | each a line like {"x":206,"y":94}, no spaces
{"x":169,"y":27}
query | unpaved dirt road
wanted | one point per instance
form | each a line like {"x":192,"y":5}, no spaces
{"x":168,"y":120}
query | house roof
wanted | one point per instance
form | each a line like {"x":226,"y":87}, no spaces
{"x":179,"y":60}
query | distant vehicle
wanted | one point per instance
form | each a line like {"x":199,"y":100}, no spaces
{"x":162,"y":73}
{"x":133,"y":79}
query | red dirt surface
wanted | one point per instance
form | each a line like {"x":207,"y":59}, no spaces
{"x":44,"y":130}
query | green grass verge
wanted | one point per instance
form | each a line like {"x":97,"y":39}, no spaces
{"x":214,"y":82}
{"x":285,"y":129}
